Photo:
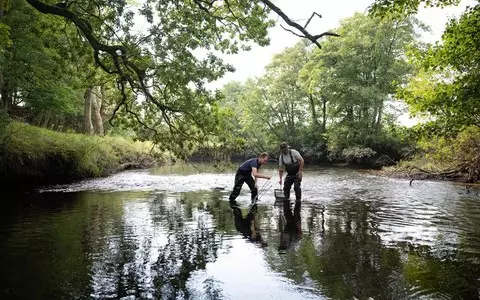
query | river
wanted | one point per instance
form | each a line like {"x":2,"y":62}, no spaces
{"x":169,"y":233}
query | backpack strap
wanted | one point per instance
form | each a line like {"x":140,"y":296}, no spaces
{"x":291,"y":157}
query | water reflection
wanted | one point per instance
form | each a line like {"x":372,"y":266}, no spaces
{"x":248,"y":225}
{"x":290,"y":226}
{"x":355,"y":236}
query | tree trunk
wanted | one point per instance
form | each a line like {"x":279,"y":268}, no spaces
{"x":2,"y":94}
{"x":96,"y":106}
{"x":46,"y":120}
{"x":324,"y":114}
{"x":103,"y":95}
{"x":374,"y":117}
{"x":314,"y":111}
{"x":349,"y":110}
{"x":5,"y":95}
{"x":87,"y":116}
{"x":378,"y":124}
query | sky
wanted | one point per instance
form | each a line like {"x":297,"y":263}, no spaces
{"x":252,"y":63}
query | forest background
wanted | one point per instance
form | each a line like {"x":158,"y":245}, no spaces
{"x":85,"y":90}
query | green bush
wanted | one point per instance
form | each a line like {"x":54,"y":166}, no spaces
{"x":451,"y":157}
{"x":358,"y":155}
{"x":345,"y":143}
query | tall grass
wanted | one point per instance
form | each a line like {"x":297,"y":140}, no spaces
{"x":30,"y":154}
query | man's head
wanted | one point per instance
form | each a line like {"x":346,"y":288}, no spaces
{"x":263,"y":158}
{"x":284,"y":148}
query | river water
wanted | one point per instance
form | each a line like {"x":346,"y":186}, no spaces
{"x":169,"y":233}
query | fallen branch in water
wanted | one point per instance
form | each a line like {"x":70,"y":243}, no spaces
{"x":422,"y":174}
{"x":382,"y":160}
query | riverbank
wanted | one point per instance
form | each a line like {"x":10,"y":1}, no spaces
{"x":31,"y":156}
{"x":414,"y":171}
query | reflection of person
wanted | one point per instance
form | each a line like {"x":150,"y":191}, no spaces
{"x":244,"y":174}
{"x":292,"y":162}
{"x":248,"y":225}
{"x":291,"y":232}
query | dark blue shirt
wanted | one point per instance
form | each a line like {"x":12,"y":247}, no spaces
{"x":247,"y":166}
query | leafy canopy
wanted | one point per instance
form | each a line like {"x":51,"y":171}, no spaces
{"x":153,"y":49}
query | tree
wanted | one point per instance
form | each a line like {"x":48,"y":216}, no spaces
{"x":274,"y":107}
{"x":41,"y":81}
{"x":358,"y":74}
{"x":158,"y":65}
{"x":446,"y":86}
{"x":286,"y":101}
{"x":406,"y":7}
{"x":445,"y":90}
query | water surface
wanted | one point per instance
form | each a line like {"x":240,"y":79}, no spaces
{"x":169,"y":233}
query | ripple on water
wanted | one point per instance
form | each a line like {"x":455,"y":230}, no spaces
{"x":361,"y":234}
{"x":143,"y":180}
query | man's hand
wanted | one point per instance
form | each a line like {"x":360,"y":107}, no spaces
{"x":280,"y":181}
{"x":299,"y":174}
{"x":268,"y":177}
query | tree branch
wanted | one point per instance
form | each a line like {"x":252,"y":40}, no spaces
{"x":305,"y":33}
{"x":311,"y":17}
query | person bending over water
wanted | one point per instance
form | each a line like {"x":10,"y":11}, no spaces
{"x":247,"y":172}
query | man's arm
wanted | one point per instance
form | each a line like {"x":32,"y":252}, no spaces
{"x":300,"y":167}
{"x":280,"y":168}
{"x":258,"y":175}
{"x":301,"y":162}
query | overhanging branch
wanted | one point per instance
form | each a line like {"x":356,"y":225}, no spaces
{"x":122,"y":66}
{"x":305,"y":33}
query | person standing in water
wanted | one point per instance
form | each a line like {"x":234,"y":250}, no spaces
{"x":248,"y":173}
{"x":292,"y":162}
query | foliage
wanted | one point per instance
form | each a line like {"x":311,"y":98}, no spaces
{"x":326,"y":100}
{"x":5,"y":40}
{"x":166,"y":64}
{"x":357,"y":154}
{"x":462,"y":151}
{"x":442,"y":157}
{"x":40,"y":70}
{"x":285,"y":100}
{"x":357,"y":75}
{"x":247,"y":118}
{"x":446,"y":85}
{"x":223,"y":146}
{"x":4,"y":122}
{"x":400,"y":7}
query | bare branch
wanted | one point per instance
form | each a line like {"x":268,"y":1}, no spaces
{"x":305,"y":33}
{"x":291,"y":31}
{"x":311,"y":17}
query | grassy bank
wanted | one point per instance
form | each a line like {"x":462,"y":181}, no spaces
{"x":31,"y":156}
